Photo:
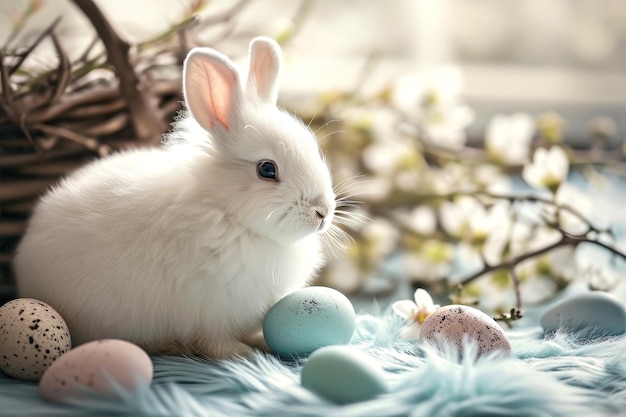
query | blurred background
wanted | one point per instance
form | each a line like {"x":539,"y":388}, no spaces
{"x":563,"y":55}
{"x":352,"y":67}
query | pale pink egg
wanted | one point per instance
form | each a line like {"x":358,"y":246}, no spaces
{"x":97,"y":366}
{"x":452,"y":326}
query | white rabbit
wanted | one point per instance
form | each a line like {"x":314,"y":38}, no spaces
{"x":184,"y":248}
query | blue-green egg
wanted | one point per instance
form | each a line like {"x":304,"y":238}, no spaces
{"x":591,"y":314}
{"x":308,"y":319}
{"x":344,"y":375}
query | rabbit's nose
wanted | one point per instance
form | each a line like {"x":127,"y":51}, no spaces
{"x":322,"y":217}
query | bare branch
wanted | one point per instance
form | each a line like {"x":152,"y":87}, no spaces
{"x":144,"y":121}
{"x":37,"y":41}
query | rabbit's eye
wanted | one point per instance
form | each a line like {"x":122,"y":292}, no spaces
{"x":267,"y":170}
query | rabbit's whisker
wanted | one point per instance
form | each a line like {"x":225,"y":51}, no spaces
{"x":331,"y":133}
{"x":349,"y":218}
{"x":337,"y":240}
{"x":320,"y":107}
{"x":324,"y":125}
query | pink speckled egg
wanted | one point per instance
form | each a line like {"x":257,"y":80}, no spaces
{"x":450,"y":326}
{"x":97,"y":366}
{"x":32,"y":336}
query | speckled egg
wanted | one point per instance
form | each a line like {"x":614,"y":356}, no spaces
{"x":344,"y":375}
{"x":308,"y":319}
{"x":449,"y":327}
{"x":99,"y":367}
{"x":32,"y":336}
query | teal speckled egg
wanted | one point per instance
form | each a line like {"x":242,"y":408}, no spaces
{"x":343,"y":375}
{"x":308,"y":319}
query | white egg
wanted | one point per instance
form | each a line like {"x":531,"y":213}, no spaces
{"x":32,"y":336}
{"x":98,"y":366}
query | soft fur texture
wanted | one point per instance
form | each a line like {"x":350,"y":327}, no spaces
{"x":559,"y":375}
{"x":183,"y":249}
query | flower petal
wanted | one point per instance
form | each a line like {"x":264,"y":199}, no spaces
{"x":559,"y":162}
{"x":422,"y":298}
{"x":404,"y":308}
{"x":411,"y":332}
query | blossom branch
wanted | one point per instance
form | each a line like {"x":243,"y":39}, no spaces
{"x":409,"y":199}
{"x":567,"y":239}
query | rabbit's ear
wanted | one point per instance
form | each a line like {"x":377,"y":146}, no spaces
{"x":211,"y":88}
{"x":265,"y":58}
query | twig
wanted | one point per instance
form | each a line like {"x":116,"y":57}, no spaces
{"x":144,"y":121}
{"x":83,"y":57}
{"x":64,"y":71}
{"x":516,"y":284}
{"x":87,"y":142}
{"x":74,"y":100}
{"x":5,"y":83}
{"x":37,"y":41}
{"x":96,"y":110}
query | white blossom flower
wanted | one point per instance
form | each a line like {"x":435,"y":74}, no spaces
{"x":570,"y":196}
{"x":380,"y":237}
{"x":530,"y":237}
{"x":483,"y":221}
{"x":428,"y":261}
{"x":382,"y":158}
{"x":415,"y":312}
{"x":508,"y":138}
{"x":430,"y":100}
{"x":422,"y":219}
{"x":492,"y":179}
{"x":539,"y":276}
{"x":466,"y":218}
{"x":549,"y":169}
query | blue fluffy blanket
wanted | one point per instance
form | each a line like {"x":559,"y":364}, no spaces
{"x":546,"y":376}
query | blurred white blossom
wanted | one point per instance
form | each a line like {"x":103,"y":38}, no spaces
{"x":380,"y":237}
{"x":530,"y":237}
{"x":422,"y":219}
{"x":570,"y":196}
{"x":508,"y":138}
{"x":383,"y":158}
{"x":282,"y":29}
{"x":430,"y":262}
{"x":430,"y":99}
{"x":466,"y":218}
{"x":539,"y":276}
{"x":548,"y":169}
{"x":491,"y":179}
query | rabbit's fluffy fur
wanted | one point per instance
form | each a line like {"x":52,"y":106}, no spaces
{"x":183,"y":249}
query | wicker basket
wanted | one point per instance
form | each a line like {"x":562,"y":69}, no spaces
{"x":87,"y":123}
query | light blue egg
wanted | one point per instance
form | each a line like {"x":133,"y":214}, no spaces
{"x":308,"y":319}
{"x":594,"y":313}
{"x":343,"y":375}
